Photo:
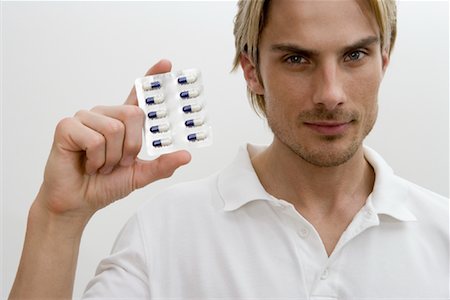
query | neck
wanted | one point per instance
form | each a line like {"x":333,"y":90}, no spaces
{"x":285,"y":175}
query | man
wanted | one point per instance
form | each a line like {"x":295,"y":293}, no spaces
{"x":315,"y":215}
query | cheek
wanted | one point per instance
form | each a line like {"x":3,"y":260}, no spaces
{"x":285,"y":94}
{"x":363,"y":92}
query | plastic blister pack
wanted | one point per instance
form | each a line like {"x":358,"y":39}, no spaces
{"x":176,"y":112}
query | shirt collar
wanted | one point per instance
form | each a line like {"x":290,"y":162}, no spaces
{"x":238,"y":185}
{"x":389,"y":194}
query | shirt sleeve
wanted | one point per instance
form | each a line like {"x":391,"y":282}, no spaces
{"x":124,"y":273}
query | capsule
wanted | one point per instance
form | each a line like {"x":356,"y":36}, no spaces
{"x":193,"y":122}
{"x":188,"y":78}
{"x":192,"y":93}
{"x":151,"y":85}
{"x":192,"y":108}
{"x":159,"y":128}
{"x":156,"y":99}
{"x":162,"y":142}
{"x":199,"y":136}
{"x":157,"y":114}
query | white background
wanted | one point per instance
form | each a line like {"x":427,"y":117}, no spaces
{"x":60,"y":57}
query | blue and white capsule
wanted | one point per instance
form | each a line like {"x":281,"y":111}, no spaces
{"x":188,"y":78}
{"x":155,"y":99}
{"x":147,"y":86}
{"x":159,"y":128}
{"x":194,"y":122}
{"x":157,"y":114}
{"x":187,"y":109}
{"x":195,"y":137}
{"x":162,"y":142}
{"x":192,"y":93}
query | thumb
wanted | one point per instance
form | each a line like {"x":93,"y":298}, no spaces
{"x":146,"y":172}
{"x":163,"y":66}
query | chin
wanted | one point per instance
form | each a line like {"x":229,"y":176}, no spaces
{"x":327,"y":156}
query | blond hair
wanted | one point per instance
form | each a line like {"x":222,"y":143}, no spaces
{"x":251,"y":19}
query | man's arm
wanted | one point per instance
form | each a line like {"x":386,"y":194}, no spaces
{"x":93,"y":162}
{"x":49,"y":258}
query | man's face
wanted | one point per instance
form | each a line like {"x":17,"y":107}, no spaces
{"x":321,"y":67}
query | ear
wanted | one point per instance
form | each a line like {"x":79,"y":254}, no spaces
{"x":385,"y":58}
{"x":251,"y":75}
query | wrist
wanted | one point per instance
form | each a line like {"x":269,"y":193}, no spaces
{"x":69,"y":224}
{"x":49,"y":258}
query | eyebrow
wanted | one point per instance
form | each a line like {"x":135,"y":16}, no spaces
{"x":288,"y":47}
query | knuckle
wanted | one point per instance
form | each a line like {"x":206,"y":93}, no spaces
{"x":95,"y":163}
{"x":114,"y":127}
{"x":80,"y":113}
{"x":166,"y":173}
{"x":163,"y":171}
{"x":97,"y":108}
{"x":96,"y":142}
{"x":64,"y":124}
{"x":111,"y":161}
{"x":132,"y":146}
{"x":131,"y":112}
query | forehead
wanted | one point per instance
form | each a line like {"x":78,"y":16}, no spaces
{"x":318,"y":21}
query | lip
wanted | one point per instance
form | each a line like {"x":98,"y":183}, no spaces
{"x":328,"y":128}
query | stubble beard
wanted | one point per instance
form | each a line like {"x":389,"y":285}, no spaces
{"x":323,"y":156}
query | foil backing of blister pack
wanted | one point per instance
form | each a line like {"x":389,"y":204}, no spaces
{"x":175,"y":111}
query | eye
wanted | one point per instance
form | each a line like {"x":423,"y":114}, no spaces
{"x":355,"y":55}
{"x":295,"y":59}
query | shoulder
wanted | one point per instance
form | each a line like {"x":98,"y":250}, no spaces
{"x":425,"y":204}
{"x":394,"y":190}
{"x":423,"y":196}
{"x":184,"y":200}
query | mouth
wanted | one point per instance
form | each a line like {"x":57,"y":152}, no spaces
{"x":329,"y":128}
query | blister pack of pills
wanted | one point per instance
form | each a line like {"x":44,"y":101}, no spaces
{"x":175,"y":109}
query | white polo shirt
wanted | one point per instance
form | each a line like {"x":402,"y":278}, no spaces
{"x":225,"y":237}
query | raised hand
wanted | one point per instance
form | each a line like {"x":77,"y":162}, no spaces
{"x":91,"y":164}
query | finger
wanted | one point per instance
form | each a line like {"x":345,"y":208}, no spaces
{"x":133,"y":119}
{"x":163,"y":66}
{"x":72,"y":136}
{"x":162,"y":167}
{"x":113,"y":131}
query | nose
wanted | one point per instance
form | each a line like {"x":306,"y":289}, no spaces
{"x":328,"y":84}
